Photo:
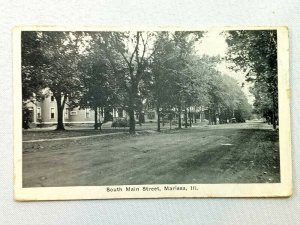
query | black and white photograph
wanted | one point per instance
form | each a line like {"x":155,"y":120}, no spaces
{"x":151,"y":113}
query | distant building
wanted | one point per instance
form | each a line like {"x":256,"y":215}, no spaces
{"x":45,"y":112}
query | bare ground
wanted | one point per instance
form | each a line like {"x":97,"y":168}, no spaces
{"x":234,"y":153}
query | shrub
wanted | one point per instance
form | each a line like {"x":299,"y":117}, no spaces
{"x":120,"y":123}
{"x":174,"y":122}
{"x":183,"y":124}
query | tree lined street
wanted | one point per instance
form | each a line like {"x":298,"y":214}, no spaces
{"x":206,"y":129}
{"x":132,"y":71}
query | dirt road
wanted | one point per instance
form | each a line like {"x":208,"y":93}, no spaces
{"x":233,"y":153}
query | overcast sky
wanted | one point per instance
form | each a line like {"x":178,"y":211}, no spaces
{"x":213,"y":44}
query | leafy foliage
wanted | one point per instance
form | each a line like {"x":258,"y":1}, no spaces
{"x":32,"y":64}
{"x":131,"y":71}
{"x":51,"y":61}
{"x":255,"y":53}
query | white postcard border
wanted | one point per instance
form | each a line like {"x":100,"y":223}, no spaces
{"x":283,"y":189}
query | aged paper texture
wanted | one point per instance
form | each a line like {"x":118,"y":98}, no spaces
{"x":165,"y":112}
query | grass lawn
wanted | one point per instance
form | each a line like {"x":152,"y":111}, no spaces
{"x":235,"y":153}
{"x":51,"y":134}
{"x":76,"y":131}
{"x":87,"y":130}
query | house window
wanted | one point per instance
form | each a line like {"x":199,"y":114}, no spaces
{"x":38,"y":113}
{"x":52,"y":98}
{"x":52,"y":113}
{"x":87,"y":113}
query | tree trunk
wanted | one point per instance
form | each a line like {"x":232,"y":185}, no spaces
{"x":60,"y":108}
{"x":179,"y":116}
{"x":185,"y":117}
{"x":100,"y":122}
{"x":158,"y":118}
{"x":190,"y":116}
{"x":96,"y":118}
{"x":131,"y":106}
{"x":141,"y":118}
{"x":215,"y":117}
{"x":131,"y":121}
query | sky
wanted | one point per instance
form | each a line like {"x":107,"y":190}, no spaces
{"x":213,"y":44}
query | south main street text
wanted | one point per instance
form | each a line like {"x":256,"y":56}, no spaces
{"x":145,"y":188}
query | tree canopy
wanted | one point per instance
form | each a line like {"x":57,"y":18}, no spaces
{"x":255,"y":53}
{"x":136,"y":70}
{"x":51,"y":60}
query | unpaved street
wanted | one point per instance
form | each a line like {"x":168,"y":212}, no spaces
{"x":233,"y":153}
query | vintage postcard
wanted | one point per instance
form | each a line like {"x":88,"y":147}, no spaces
{"x":104,"y":113}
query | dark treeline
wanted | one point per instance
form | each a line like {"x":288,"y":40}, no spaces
{"x":135,"y":71}
{"x":255,"y":52}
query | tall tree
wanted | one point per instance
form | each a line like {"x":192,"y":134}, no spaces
{"x":172,"y":63}
{"x":135,"y":50}
{"x":100,"y":89}
{"x":59,"y":71}
{"x":255,"y":53}
{"x":161,"y":86}
{"x":32,"y":64}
